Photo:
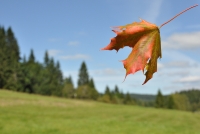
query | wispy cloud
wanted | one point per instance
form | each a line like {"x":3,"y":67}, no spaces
{"x":75,"y":57}
{"x":73,"y":43}
{"x":154,"y":10}
{"x":108,"y":72}
{"x":82,"y":33}
{"x":54,"y":39}
{"x":53,"y":52}
{"x":183,"y":41}
{"x":194,"y":26}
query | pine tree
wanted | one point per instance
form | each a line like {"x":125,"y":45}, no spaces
{"x":93,"y":90}
{"x":116,"y":91}
{"x":91,"y":83}
{"x":127,"y":99}
{"x":58,"y":80}
{"x":170,"y":103}
{"x":106,"y":97}
{"x":12,"y":66}
{"x":159,"y":103}
{"x":59,"y":74}
{"x":107,"y":91}
{"x":68,"y":80}
{"x":12,"y":45}
{"x":33,"y":74}
{"x":3,"y":57}
{"x":46,"y":59}
{"x":24,"y":59}
{"x":68,"y":89}
{"x":83,"y":75}
{"x":31,"y":58}
{"x":46,"y":72}
{"x":51,"y":71}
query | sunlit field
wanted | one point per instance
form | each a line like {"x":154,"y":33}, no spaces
{"x":22,"y":113}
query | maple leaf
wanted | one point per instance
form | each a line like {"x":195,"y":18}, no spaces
{"x":144,"y":39}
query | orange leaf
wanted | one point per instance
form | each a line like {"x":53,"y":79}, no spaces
{"x":144,"y":38}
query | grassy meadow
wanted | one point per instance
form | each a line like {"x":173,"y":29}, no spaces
{"x":22,"y":113}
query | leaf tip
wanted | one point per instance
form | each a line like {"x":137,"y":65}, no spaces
{"x":144,"y":82}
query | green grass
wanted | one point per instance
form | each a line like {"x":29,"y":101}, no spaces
{"x":34,"y":114}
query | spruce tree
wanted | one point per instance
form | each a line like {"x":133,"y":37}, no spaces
{"x":46,"y":76}
{"x":127,"y":99}
{"x":59,"y":73}
{"x":121,"y":95}
{"x":68,"y":89}
{"x":46,"y":59}
{"x":83,"y":75}
{"x":31,"y":58}
{"x":12,"y":45}
{"x":12,"y":60}
{"x":116,"y":91}
{"x":33,"y":74}
{"x":170,"y":102}
{"x":52,"y":77}
{"x":159,"y":103}
{"x":24,"y":59}
{"x":3,"y":57}
{"x":107,"y":91}
{"x":68,"y":80}
{"x":91,"y":83}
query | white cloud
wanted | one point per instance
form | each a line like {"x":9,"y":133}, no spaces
{"x":75,"y":57}
{"x":189,"y":79}
{"x":181,"y":73}
{"x":53,"y":52}
{"x":73,"y":43}
{"x":178,"y":64}
{"x":183,"y":41}
{"x":160,"y":66}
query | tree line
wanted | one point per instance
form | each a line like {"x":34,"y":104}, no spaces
{"x":188,"y":100}
{"x":28,"y":75}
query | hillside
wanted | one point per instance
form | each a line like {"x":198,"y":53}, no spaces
{"x":22,"y":113}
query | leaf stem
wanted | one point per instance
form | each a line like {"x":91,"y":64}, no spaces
{"x":178,"y":15}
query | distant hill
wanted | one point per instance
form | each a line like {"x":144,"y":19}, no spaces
{"x":192,"y":94}
{"x":143,"y":97}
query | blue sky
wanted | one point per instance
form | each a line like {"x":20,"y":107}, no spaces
{"x":75,"y":30}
